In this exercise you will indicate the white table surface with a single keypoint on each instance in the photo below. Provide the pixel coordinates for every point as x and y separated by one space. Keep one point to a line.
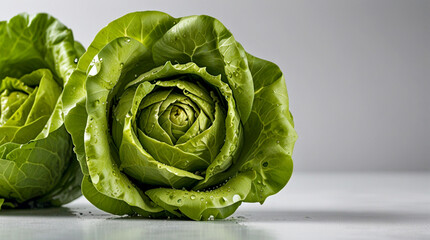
312 206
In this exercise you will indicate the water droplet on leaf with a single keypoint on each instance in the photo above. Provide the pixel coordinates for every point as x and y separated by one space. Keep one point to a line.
236 198
95 179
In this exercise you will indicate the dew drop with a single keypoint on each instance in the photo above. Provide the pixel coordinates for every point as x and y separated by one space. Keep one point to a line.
93 71
265 164
179 200
192 197
75 60
236 198
95 179
232 148
211 218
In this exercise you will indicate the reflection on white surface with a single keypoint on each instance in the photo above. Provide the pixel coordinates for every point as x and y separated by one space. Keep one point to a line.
82 221
313 206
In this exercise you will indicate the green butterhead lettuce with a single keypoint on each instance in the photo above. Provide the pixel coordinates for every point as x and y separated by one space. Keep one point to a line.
37 164
170 117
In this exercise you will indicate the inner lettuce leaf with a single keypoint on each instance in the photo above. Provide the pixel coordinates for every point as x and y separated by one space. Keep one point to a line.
171 117
37 164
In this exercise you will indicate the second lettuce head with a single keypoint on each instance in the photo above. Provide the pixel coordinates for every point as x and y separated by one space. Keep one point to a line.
37 165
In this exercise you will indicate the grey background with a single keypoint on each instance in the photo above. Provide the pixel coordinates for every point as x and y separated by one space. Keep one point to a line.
357 71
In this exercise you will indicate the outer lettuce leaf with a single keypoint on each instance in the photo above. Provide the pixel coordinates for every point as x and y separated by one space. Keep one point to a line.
102 201
219 203
29 43
269 132
37 165
38 170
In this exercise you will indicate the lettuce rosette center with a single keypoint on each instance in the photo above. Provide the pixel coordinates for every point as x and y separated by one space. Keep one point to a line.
26 104
179 120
